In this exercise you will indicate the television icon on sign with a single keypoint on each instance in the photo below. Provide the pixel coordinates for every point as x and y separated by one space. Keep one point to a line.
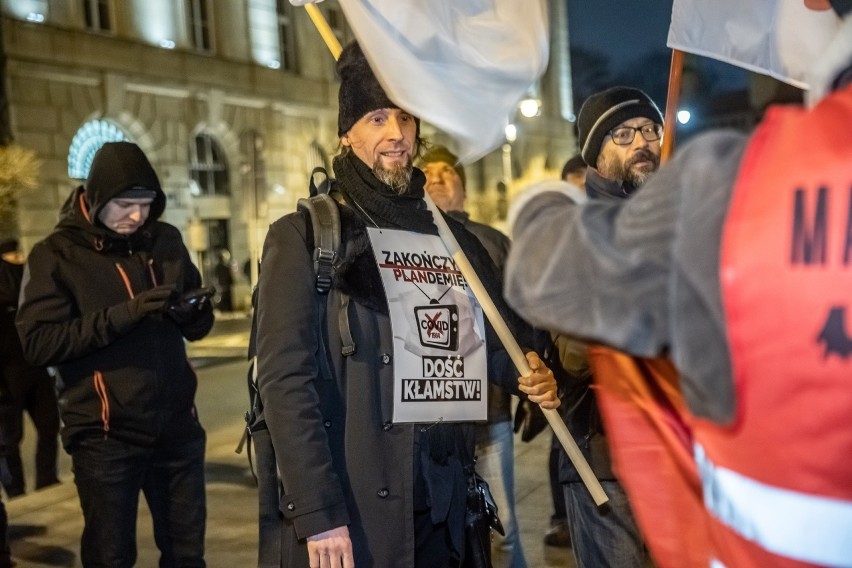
438 326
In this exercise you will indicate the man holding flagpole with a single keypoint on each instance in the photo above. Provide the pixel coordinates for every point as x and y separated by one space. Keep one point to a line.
369 391
733 260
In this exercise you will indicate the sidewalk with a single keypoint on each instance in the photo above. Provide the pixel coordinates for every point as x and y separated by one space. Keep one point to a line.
227 339
45 526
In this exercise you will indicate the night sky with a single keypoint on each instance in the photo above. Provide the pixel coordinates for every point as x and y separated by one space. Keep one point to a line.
623 42
624 30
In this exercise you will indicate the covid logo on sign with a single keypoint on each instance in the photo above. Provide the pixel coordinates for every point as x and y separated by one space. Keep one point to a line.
438 326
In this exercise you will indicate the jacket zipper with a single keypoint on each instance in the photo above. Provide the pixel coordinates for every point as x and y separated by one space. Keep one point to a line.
100 388
125 279
152 273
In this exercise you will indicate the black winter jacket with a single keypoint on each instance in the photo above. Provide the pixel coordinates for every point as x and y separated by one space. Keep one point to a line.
342 459
117 377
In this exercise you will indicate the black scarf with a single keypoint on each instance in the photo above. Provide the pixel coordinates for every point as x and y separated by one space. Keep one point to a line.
378 202
443 445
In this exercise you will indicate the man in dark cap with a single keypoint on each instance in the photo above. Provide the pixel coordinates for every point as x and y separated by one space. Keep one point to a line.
733 262
619 136
574 171
373 474
105 299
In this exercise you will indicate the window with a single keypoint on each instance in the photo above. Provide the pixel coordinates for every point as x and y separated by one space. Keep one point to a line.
198 17
287 36
85 144
97 15
207 167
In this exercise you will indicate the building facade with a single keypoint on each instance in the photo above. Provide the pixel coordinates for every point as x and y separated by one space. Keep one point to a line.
234 102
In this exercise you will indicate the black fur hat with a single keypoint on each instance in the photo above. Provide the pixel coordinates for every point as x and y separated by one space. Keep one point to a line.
360 91
607 109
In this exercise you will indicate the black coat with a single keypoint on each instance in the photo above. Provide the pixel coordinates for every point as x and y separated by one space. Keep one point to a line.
74 315
342 460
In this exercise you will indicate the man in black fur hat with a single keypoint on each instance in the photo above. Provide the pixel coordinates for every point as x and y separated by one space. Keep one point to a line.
363 485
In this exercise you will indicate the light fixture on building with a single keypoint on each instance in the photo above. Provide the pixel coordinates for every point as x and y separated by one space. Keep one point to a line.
279 189
511 132
35 17
530 107
274 64
683 116
167 44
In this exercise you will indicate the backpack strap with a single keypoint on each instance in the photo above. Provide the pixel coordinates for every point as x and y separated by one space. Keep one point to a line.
325 221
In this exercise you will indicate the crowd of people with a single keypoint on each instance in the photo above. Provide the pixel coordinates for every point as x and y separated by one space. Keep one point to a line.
641 296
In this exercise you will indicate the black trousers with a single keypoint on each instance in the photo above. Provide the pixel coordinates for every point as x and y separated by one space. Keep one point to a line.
31 390
110 474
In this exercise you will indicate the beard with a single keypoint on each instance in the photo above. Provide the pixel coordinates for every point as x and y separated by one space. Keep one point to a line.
397 177
612 168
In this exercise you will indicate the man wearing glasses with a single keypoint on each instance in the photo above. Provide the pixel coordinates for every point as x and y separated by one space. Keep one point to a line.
620 130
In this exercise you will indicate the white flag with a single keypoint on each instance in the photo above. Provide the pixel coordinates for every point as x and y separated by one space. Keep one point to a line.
780 38
461 65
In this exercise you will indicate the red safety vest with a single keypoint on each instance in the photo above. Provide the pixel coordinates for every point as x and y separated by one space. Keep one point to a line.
651 447
778 480
774 488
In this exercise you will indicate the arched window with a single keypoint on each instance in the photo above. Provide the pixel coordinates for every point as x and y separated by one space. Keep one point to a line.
85 144
207 167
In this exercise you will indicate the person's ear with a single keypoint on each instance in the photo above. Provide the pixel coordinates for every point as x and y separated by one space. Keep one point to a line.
344 141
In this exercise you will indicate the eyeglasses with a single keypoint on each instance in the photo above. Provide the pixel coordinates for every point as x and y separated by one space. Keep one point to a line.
624 135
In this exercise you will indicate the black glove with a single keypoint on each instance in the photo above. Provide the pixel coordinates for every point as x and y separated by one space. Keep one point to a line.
191 305
149 302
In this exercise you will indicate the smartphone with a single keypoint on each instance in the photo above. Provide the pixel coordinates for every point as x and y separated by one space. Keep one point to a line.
197 296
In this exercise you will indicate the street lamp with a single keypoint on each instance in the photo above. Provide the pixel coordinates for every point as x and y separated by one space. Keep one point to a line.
530 107
511 132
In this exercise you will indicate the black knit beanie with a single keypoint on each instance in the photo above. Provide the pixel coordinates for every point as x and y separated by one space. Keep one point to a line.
443 154
607 109
360 91
574 164
10 245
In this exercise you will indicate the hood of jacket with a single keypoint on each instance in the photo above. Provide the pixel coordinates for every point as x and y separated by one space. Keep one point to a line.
119 167
75 225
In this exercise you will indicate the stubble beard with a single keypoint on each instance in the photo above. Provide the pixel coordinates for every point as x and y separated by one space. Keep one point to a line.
613 169
397 177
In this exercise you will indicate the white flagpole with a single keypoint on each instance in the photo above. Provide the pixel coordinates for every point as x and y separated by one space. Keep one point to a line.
324 30
518 358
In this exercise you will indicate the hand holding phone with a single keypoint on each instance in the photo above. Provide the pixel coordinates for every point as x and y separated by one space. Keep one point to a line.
191 304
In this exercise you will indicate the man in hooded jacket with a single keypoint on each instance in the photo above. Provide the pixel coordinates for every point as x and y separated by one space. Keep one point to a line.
105 300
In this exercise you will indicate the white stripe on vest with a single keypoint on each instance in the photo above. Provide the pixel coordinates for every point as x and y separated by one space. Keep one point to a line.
789 523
